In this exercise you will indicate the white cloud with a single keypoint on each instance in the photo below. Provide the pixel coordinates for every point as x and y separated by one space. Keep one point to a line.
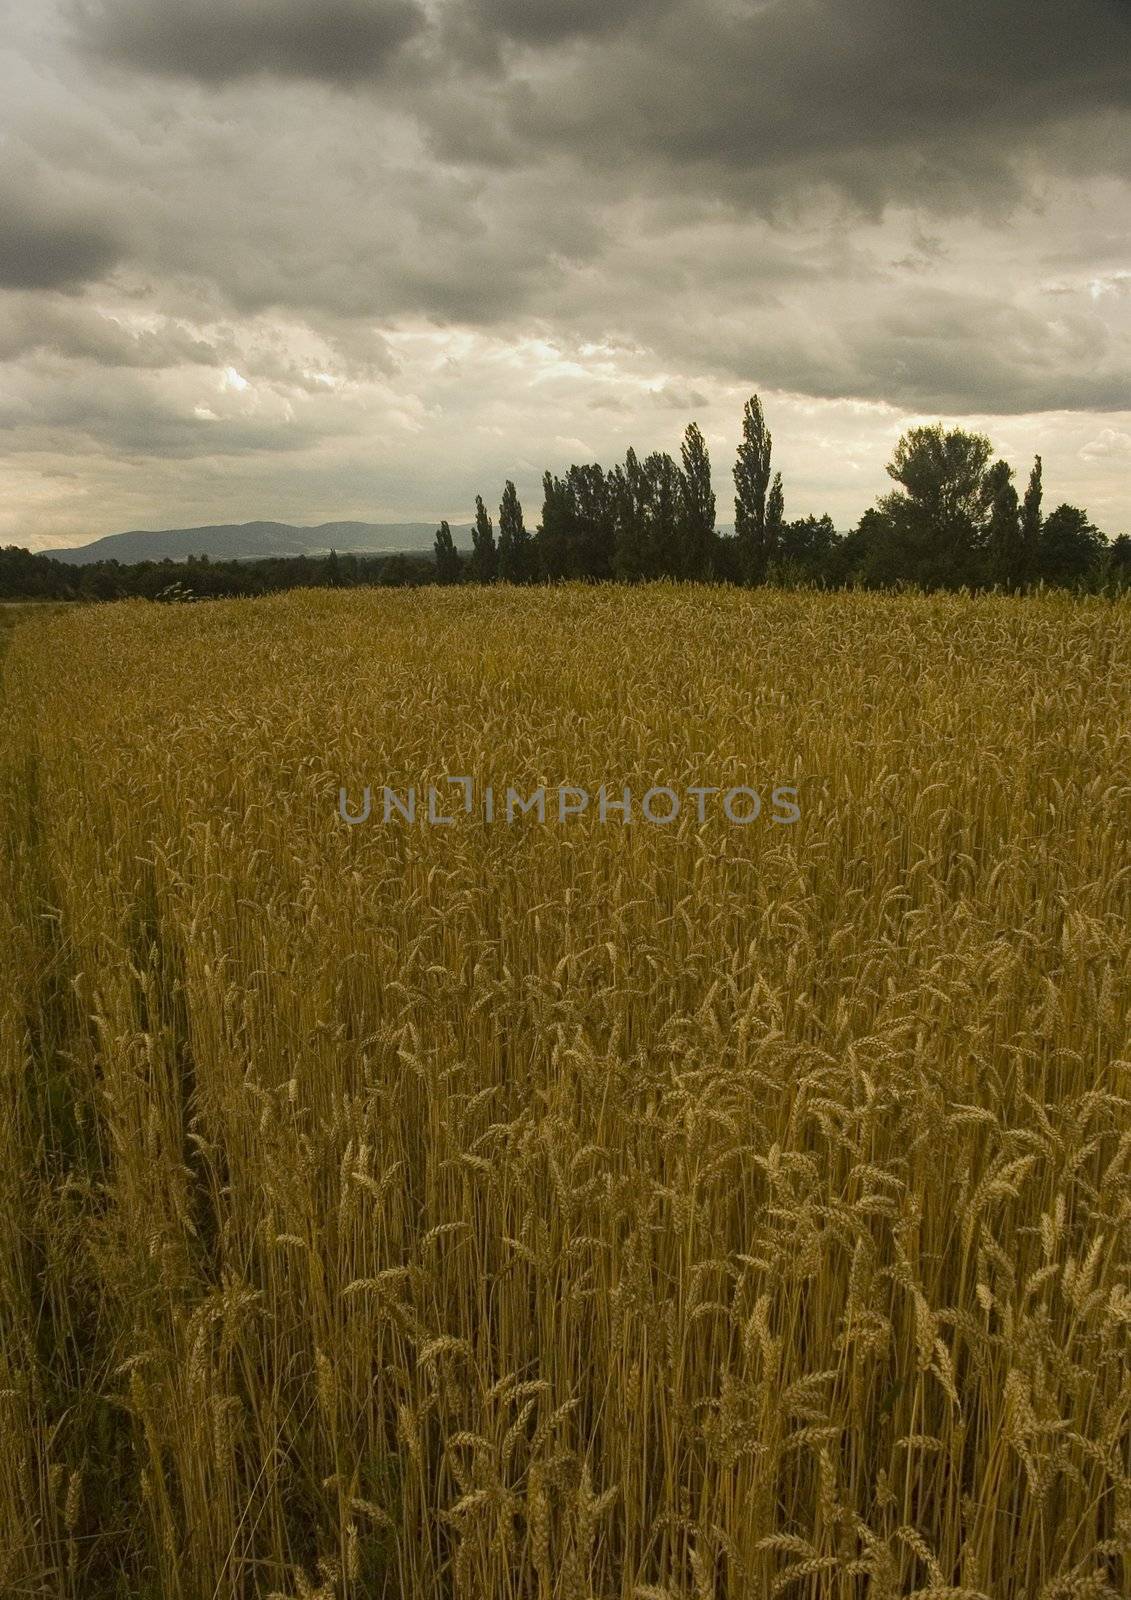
1109 443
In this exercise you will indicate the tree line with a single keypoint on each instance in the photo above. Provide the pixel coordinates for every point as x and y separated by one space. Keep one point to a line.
25 575
956 518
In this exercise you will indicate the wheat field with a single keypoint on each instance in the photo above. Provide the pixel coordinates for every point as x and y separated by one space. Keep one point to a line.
566 1209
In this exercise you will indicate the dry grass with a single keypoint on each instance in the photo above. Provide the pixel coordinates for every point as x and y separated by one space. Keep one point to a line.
567 1210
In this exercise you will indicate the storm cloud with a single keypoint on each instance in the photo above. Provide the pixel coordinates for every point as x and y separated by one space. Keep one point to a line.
543 22
216 41
438 242
45 244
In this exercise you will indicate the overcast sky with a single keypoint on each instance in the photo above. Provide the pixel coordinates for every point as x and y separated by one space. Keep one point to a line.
319 259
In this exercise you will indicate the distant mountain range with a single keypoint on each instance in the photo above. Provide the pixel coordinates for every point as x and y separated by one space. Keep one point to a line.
233 541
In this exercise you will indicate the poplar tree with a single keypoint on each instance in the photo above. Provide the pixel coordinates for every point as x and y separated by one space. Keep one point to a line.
698 506
515 546
775 522
1031 525
484 555
662 479
594 513
1003 535
751 482
556 536
448 563
631 557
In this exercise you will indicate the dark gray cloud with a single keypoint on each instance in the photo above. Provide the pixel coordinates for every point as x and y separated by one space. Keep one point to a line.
947 351
218 41
45 244
759 103
877 99
550 21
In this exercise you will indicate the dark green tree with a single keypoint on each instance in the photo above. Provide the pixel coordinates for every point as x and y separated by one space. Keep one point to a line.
877 552
1031 525
100 582
663 502
945 471
1119 562
396 572
1071 550
516 552
556 536
730 566
448 563
593 509
938 522
647 503
484 563
751 484
807 551
698 509
775 522
630 511
1004 550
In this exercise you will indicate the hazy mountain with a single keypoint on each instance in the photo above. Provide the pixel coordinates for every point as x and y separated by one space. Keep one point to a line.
258 539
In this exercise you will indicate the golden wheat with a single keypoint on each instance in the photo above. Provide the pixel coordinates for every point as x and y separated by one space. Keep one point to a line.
567 1210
